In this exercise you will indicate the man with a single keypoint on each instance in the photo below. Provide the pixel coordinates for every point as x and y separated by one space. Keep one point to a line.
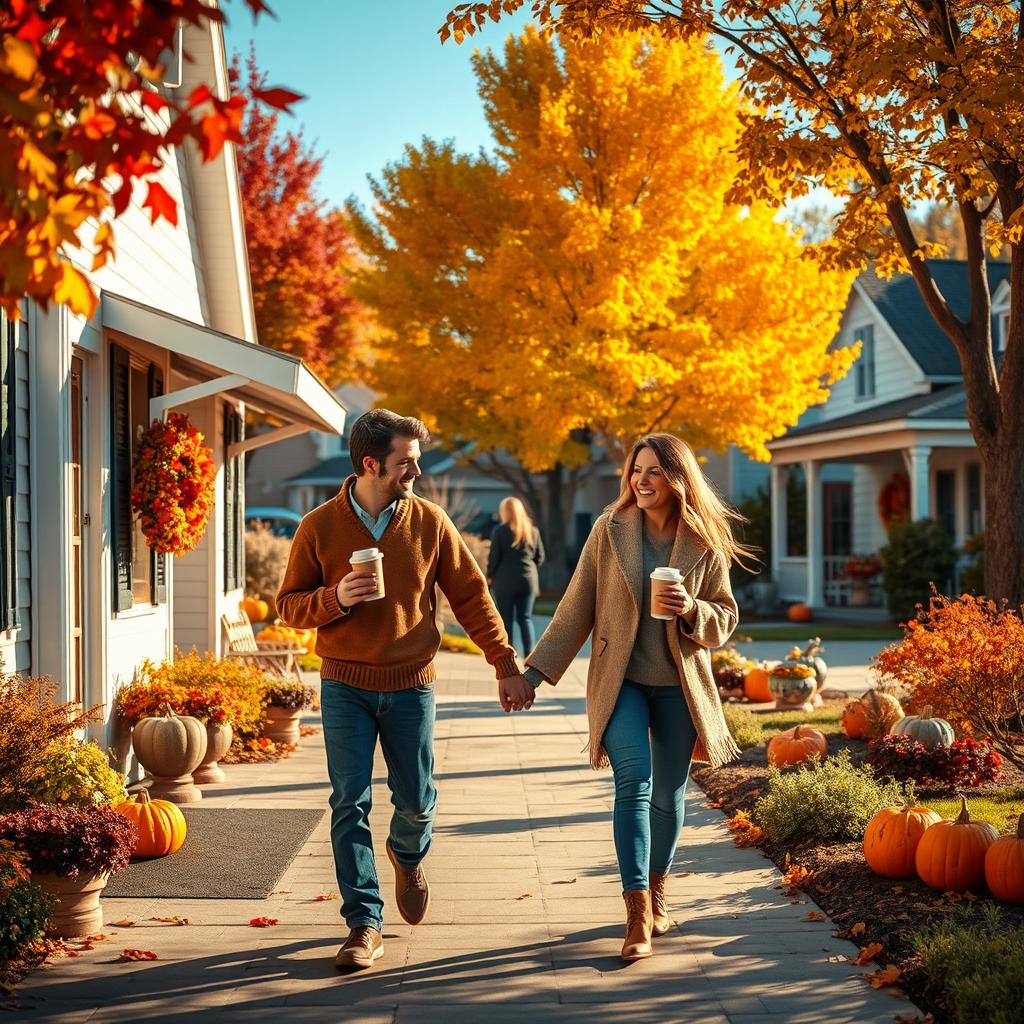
378 660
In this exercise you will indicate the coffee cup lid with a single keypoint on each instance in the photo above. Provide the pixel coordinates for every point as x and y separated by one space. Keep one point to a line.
366 555
666 572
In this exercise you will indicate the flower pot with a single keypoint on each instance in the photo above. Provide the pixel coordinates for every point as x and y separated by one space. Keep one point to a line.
282 724
170 747
793 691
76 909
218 742
860 592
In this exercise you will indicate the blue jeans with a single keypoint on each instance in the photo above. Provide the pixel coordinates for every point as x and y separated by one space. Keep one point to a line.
353 720
517 608
649 739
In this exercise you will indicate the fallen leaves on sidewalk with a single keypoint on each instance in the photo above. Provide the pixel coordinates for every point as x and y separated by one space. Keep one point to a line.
525 896
813 915
868 953
325 896
565 881
744 831
124 923
172 920
308 730
263 922
889 975
138 954
795 879
928 1018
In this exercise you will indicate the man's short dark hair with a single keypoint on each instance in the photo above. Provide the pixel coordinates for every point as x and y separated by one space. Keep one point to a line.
373 433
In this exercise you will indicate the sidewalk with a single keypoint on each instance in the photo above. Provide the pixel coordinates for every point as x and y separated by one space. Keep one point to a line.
526 915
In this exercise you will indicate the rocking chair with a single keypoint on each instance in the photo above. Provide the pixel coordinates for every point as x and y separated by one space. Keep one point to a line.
275 658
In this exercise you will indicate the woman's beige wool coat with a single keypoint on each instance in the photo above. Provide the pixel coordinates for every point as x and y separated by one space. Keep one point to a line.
605 595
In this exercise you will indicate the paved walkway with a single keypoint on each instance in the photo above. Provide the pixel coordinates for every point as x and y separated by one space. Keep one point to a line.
525 919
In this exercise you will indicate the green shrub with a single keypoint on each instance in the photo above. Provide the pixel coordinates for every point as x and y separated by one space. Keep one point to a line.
78 774
830 800
919 553
980 966
24 906
743 726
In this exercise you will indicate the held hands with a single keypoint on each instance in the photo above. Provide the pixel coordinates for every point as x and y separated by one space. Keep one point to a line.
356 587
675 600
515 694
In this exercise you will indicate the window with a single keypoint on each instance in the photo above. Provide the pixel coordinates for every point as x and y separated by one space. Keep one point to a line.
945 500
8 474
975 524
796 512
140 575
865 366
838 532
234 500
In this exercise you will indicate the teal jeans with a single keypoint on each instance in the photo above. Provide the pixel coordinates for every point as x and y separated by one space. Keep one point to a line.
649 739
354 720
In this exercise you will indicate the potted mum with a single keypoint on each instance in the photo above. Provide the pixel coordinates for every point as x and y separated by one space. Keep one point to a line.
862 569
285 704
218 708
71 852
77 773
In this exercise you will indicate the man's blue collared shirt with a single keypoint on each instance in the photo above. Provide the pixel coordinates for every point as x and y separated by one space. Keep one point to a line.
375 526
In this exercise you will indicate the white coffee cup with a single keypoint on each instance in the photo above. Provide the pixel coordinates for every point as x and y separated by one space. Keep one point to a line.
370 560
662 577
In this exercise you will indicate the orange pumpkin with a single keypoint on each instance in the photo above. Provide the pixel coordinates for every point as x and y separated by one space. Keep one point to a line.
871 716
1004 866
892 837
755 686
799 613
795 746
951 854
257 610
159 825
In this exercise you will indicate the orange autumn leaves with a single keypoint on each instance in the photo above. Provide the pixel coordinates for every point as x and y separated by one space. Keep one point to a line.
82 123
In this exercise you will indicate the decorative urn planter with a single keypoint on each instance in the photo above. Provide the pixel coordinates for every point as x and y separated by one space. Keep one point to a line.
76 909
218 742
860 592
793 687
170 747
120 741
282 724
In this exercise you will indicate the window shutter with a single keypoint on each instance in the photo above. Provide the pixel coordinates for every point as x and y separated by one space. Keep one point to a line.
234 546
120 478
159 562
8 475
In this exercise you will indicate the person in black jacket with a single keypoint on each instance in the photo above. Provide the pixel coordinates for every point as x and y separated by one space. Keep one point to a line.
516 553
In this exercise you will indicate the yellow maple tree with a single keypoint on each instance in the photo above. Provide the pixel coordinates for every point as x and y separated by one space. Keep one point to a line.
588 278
887 104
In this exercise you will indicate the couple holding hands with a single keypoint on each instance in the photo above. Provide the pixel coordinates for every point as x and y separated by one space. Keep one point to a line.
651 700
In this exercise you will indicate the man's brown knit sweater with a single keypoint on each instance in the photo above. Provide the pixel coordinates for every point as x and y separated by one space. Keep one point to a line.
388 644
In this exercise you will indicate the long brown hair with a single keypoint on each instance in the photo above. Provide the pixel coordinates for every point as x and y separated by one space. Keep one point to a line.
700 508
519 521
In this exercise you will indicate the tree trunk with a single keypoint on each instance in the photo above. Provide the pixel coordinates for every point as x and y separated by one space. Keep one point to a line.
1004 525
559 505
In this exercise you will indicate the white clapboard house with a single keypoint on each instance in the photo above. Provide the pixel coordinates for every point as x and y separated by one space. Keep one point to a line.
82 598
900 410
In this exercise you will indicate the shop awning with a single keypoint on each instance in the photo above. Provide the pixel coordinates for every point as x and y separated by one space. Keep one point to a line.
272 382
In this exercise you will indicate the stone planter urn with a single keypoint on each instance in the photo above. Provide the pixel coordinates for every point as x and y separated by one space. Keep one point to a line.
793 691
170 747
282 724
860 592
218 742
76 909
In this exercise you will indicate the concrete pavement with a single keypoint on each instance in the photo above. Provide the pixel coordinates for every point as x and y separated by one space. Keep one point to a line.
526 914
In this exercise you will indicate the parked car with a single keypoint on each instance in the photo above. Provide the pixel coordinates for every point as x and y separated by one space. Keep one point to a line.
282 522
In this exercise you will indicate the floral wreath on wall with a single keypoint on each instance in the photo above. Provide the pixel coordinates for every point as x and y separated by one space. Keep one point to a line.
173 485
894 500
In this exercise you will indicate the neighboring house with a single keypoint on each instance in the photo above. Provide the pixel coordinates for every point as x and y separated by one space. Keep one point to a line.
82 598
901 410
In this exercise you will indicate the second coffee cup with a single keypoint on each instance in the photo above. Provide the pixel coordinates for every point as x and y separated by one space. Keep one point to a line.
370 560
662 577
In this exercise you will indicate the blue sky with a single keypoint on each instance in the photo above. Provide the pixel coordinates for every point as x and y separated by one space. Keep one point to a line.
376 77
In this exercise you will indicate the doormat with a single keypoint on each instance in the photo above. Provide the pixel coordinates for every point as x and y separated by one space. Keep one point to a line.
230 853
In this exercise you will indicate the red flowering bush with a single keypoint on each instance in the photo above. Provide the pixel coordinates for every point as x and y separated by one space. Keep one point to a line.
173 485
70 840
967 762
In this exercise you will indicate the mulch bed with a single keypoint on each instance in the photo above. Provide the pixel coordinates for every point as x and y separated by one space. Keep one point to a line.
845 887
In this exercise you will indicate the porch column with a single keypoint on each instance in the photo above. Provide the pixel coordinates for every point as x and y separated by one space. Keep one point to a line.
778 497
920 456
815 546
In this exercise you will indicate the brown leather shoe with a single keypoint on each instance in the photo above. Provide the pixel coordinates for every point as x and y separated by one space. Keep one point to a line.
639 921
363 946
659 908
412 894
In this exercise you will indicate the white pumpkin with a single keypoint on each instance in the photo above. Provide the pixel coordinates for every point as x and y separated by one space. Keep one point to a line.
932 733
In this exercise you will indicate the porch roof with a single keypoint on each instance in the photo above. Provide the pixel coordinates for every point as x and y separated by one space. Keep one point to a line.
269 381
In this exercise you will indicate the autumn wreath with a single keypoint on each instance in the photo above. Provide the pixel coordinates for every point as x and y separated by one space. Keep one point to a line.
173 487
894 500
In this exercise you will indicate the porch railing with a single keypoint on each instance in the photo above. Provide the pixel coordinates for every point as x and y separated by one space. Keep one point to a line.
842 591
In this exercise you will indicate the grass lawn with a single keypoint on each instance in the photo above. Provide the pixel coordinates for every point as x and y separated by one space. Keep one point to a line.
799 633
1001 808
826 718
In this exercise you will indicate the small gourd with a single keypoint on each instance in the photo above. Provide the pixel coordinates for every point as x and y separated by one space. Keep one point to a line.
931 732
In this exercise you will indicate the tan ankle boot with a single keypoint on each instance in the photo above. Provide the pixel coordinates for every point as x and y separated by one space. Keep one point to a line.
662 922
639 921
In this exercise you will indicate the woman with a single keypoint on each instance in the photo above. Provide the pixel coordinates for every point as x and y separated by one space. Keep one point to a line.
651 698
516 555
